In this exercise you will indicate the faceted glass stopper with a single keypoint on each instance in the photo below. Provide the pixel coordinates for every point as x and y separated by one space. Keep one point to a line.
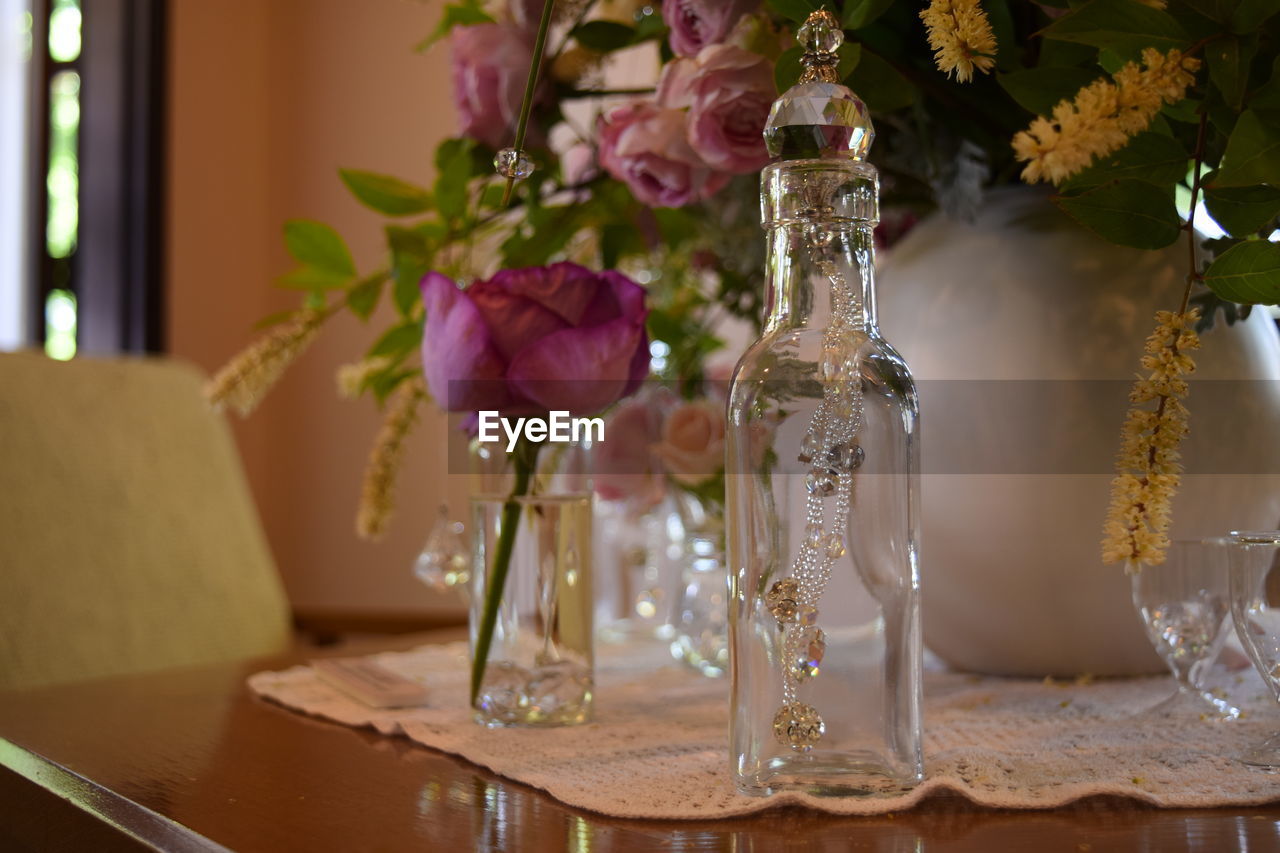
815 119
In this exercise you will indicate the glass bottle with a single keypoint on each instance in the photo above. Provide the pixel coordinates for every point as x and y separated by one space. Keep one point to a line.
823 475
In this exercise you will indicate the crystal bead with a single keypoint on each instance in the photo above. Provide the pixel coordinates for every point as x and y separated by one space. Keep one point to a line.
443 562
813 646
821 481
809 448
833 545
813 535
785 610
798 726
513 163
808 615
837 363
781 600
846 457
820 34
819 119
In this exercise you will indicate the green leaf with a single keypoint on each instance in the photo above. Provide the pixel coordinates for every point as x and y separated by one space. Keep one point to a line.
1150 157
1216 10
1229 61
859 13
316 244
1242 211
454 170
1252 155
604 36
1250 14
385 194
795 10
786 71
1267 96
1248 273
363 296
464 13
879 84
307 277
1125 26
1039 90
398 340
1130 213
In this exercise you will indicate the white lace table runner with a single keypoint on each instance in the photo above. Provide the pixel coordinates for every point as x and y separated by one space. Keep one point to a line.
658 745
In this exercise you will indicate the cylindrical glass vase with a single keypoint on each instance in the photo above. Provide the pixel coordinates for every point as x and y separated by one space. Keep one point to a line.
540 668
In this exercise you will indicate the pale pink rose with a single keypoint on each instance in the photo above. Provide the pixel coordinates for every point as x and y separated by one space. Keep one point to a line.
729 92
578 164
624 466
490 67
692 446
697 23
647 148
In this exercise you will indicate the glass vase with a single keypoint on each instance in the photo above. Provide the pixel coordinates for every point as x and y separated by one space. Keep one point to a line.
540 662
702 612
823 508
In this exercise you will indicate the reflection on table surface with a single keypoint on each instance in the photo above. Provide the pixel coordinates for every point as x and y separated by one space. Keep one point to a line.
195 747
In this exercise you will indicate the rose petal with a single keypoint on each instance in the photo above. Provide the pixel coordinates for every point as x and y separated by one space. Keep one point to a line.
578 370
566 289
464 371
513 320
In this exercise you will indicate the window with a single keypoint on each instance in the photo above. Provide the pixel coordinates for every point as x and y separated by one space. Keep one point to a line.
95 137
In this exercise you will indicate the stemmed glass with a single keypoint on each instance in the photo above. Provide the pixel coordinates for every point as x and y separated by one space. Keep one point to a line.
1184 604
1255 609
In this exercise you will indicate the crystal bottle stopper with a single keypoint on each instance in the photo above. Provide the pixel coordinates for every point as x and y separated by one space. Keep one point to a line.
819 117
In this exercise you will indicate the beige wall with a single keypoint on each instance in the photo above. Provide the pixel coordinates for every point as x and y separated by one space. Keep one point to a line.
268 99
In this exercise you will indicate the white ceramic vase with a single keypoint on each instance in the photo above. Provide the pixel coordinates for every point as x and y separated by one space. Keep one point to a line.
1017 467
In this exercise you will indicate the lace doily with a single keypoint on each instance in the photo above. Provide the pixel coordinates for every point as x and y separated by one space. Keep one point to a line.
658 745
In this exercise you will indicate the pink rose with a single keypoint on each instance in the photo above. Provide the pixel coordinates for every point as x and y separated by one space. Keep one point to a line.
490 67
692 446
729 92
534 340
697 23
647 148
624 466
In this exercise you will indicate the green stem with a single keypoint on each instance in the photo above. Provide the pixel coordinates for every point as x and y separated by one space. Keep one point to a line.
525 459
530 86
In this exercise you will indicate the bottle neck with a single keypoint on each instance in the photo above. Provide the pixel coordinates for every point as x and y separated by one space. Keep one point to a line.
819 215
819 275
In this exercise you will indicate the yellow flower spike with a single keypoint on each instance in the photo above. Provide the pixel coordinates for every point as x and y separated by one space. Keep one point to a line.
960 36
377 499
1102 116
1148 470
247 378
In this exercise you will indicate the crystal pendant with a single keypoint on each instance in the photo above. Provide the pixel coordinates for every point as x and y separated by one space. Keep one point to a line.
813 645
798 726
443 563
821 482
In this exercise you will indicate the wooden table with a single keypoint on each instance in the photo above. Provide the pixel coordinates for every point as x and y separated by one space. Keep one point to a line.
189 760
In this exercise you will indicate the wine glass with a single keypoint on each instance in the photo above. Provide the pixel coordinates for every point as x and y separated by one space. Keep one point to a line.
1184 604
1255 609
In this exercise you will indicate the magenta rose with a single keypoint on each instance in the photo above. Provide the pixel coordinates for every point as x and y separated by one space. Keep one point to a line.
534 340
697 23
647 147
729 92
490 66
